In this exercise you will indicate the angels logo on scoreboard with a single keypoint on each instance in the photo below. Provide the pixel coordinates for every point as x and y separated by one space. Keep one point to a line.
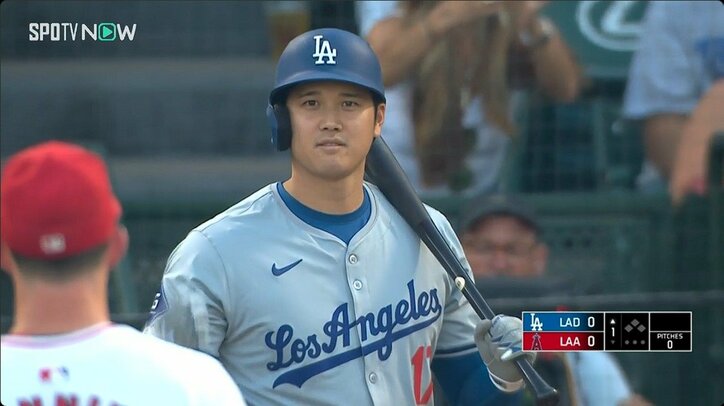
536 343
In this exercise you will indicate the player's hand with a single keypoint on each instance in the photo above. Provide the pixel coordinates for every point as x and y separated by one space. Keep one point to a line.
500 343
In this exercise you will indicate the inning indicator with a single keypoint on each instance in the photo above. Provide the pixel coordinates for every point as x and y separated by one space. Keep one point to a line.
598 331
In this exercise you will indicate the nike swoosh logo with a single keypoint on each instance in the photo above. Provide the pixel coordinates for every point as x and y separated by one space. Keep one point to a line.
279 271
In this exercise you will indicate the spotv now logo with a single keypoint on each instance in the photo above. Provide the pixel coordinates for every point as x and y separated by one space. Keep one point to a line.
80 32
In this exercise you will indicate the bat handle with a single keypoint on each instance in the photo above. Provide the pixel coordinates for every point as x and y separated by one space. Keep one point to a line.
383 169
545 394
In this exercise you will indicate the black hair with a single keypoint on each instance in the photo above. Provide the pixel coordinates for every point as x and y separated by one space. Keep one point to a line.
64 268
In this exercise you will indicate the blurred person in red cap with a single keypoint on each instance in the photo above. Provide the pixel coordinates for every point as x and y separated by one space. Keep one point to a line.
60 237
502 240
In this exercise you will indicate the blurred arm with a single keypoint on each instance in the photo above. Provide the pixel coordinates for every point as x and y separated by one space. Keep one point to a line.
556 71
662 88
400 46
662 133
690 160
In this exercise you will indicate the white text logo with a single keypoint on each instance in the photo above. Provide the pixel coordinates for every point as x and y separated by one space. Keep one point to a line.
323 49
80 32
535 324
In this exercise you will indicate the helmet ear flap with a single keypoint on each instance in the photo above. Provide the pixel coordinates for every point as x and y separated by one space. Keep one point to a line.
281 126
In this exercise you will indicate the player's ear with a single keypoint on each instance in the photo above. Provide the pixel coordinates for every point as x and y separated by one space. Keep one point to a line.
379 119
7 262
540 258
118 246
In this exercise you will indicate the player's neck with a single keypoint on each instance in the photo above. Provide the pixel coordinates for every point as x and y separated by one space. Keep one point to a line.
327 196
43 308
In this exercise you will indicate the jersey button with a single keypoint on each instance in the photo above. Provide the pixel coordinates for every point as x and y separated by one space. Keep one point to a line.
373 377
357 284
353 259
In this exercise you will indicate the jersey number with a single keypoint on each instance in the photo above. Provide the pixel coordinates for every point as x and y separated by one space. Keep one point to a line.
418 361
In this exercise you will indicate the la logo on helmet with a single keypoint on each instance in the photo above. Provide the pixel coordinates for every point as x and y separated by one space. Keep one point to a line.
322 49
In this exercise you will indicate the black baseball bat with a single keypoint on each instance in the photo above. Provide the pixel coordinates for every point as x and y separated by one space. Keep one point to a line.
383 170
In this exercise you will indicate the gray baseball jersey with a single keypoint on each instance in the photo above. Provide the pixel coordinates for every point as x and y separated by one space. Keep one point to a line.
299 317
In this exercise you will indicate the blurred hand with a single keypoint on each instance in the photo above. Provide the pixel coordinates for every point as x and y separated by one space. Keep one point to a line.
523 13
449 14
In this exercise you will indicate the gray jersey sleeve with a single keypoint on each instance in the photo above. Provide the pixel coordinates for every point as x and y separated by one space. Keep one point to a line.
459 320
190 306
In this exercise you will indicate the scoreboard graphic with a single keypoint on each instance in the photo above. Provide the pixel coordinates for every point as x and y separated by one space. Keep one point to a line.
548 331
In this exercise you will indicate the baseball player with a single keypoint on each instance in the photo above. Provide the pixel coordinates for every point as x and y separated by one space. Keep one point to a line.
314 290
60 238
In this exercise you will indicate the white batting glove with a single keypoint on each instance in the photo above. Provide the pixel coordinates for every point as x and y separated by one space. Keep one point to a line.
500 343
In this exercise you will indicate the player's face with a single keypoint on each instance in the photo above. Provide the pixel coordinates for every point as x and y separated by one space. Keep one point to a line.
333 125
503 246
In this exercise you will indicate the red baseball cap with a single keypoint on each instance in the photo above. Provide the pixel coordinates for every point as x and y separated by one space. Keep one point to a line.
56 201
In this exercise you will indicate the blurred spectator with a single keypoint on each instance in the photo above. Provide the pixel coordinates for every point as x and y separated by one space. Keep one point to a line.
679 58
449 68
501 238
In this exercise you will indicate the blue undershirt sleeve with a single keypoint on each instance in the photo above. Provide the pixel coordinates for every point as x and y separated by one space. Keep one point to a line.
464 380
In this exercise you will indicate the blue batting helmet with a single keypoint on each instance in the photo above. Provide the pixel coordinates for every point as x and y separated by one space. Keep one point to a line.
322 54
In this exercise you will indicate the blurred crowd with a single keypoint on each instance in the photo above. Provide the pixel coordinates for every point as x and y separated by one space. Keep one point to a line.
451 68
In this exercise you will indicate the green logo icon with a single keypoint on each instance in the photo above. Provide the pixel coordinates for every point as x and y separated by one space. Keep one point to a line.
106 32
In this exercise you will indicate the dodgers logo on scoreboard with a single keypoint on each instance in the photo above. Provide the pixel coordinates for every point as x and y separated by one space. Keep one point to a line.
535 323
